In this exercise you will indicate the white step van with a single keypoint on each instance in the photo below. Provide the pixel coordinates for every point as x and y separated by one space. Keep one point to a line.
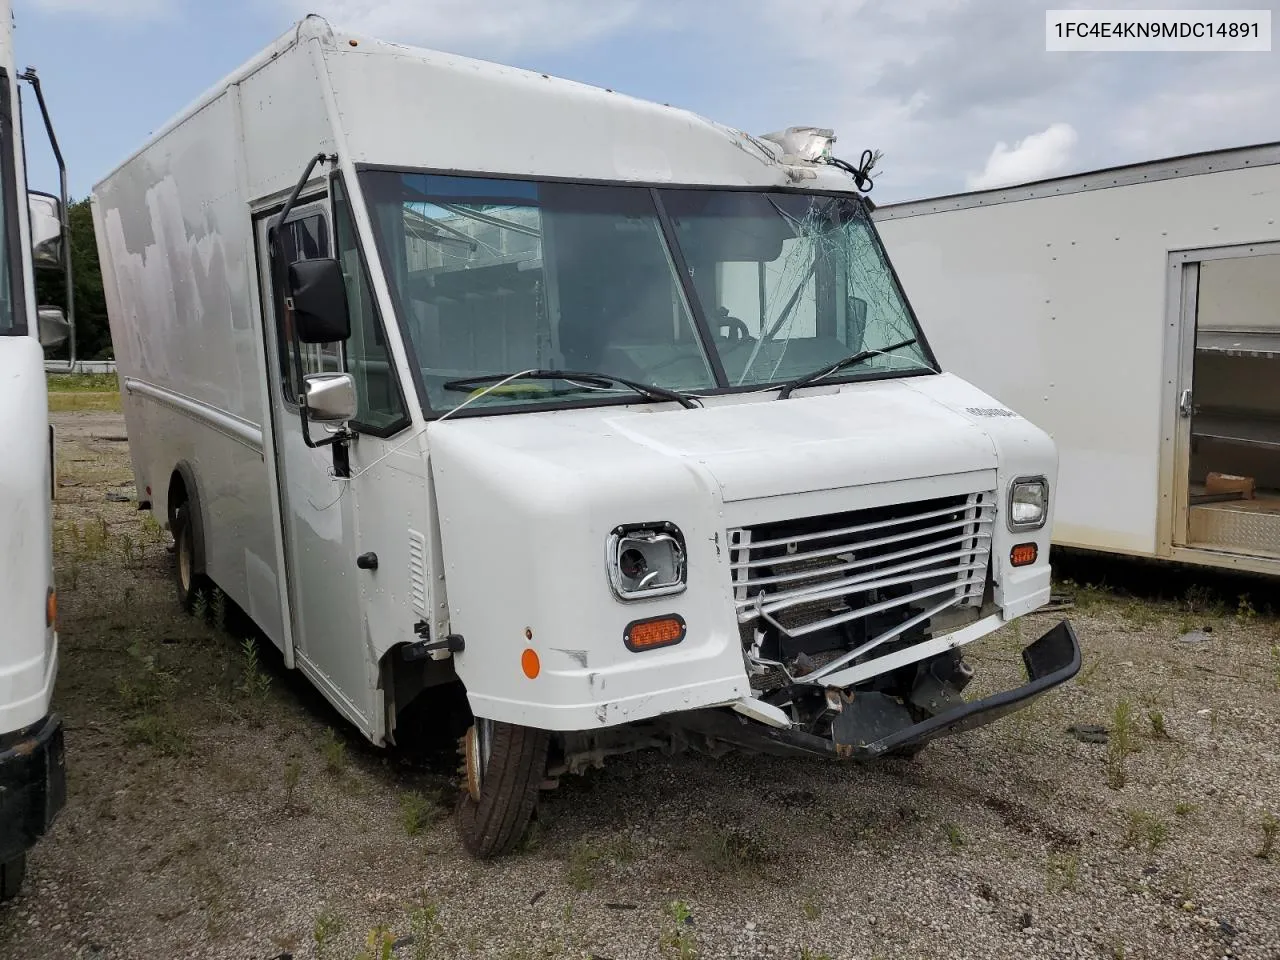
459 377
32 234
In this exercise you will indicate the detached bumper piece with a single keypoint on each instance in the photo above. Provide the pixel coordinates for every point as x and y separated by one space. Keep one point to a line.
33 785
871 725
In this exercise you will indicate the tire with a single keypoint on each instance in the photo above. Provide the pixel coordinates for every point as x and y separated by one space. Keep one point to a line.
189 583
505 767
11 874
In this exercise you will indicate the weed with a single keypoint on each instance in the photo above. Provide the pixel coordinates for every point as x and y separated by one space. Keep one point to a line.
218 609
254 683
1202 599
1140 613
954 836
1063 870
807 954
679 941
585 857
292 774
379 945
1086 676
200 606
1145 829
1158 729
1120 744
418 811
327 926
335 753
1244 609
160 732
1275 662
426 928
1270 830
731 850
811 908
1214 726
1184 808
129 550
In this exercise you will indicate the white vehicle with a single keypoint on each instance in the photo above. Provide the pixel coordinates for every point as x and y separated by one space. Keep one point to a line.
457 377
32 774
1136 314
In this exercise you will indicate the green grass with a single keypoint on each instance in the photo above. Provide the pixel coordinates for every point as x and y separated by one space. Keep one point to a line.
82 382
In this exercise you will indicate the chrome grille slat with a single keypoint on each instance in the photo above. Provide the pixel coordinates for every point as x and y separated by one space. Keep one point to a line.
933 553
835 569
860 528
872 580
846 547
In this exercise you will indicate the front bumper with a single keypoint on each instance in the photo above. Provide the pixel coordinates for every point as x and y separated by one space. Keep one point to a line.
871 725
33 785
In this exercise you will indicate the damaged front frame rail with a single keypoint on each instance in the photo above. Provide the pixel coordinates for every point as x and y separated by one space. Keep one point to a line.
871 725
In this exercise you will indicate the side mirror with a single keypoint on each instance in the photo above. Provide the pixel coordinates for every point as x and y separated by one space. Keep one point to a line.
318 295
331 397
53 326
45 213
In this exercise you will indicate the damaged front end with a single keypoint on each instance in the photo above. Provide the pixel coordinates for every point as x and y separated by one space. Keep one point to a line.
852 627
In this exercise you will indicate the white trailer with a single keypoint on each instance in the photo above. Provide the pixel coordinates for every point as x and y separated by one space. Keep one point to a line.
32 775
1134 314
457 377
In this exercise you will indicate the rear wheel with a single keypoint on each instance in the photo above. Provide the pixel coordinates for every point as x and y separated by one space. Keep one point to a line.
505 765
11 874
190 584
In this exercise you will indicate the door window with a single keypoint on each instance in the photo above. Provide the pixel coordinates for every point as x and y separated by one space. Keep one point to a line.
380 406
305 237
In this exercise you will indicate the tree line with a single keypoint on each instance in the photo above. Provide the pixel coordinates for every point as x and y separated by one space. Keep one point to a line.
93 336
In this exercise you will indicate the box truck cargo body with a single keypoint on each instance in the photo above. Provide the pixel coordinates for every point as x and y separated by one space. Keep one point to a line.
457 377
1134 314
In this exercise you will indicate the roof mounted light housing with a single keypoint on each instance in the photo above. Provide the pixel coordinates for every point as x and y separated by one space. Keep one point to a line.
809 144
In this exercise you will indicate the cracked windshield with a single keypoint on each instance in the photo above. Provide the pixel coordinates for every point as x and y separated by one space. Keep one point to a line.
494 277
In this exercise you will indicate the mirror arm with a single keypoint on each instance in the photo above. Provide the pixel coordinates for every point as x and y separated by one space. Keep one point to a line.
32 78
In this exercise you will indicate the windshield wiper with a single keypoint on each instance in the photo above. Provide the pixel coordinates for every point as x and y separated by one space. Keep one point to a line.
853 359
600 381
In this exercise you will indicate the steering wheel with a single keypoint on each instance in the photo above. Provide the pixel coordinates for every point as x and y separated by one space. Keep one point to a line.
738 331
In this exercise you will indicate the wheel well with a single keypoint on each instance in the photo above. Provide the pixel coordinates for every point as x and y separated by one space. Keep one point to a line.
177 494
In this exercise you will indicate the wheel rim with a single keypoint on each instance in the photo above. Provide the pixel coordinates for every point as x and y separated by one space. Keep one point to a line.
184 561
477 747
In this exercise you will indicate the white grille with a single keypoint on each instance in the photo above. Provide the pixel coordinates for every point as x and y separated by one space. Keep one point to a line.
418 572
814 573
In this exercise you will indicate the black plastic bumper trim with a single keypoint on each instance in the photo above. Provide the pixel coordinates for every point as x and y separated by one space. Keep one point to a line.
33 786
1050 661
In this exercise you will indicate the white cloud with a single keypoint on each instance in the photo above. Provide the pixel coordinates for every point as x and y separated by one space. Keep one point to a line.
490 27
113 9
1032 158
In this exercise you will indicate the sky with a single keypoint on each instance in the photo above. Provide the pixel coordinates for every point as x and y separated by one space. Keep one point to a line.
958 94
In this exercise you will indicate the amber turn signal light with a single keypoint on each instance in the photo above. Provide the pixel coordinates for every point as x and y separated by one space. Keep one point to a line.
1023 554
51 608
654 632
530 663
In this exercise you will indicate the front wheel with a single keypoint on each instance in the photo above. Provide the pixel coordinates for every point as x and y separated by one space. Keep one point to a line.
505 765
11 874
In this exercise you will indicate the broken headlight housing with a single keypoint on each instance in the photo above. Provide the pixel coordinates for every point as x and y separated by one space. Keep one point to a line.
646 560
1028 503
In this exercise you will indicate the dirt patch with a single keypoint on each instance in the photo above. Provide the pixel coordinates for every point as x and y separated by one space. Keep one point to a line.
219 808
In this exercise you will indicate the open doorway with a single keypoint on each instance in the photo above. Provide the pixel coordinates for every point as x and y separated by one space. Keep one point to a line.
1232 403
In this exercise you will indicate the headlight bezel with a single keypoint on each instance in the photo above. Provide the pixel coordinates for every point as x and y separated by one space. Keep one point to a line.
654 536
1030 480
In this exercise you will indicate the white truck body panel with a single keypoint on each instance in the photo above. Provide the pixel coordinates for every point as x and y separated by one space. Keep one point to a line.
493 527
1062 300
28 646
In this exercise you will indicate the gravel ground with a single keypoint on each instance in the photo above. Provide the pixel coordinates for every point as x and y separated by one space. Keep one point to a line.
219 808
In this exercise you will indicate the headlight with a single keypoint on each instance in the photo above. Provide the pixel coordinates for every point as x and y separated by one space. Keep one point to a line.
1028 503
646 560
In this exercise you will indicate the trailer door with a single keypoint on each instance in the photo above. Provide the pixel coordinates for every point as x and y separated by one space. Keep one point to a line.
319 522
